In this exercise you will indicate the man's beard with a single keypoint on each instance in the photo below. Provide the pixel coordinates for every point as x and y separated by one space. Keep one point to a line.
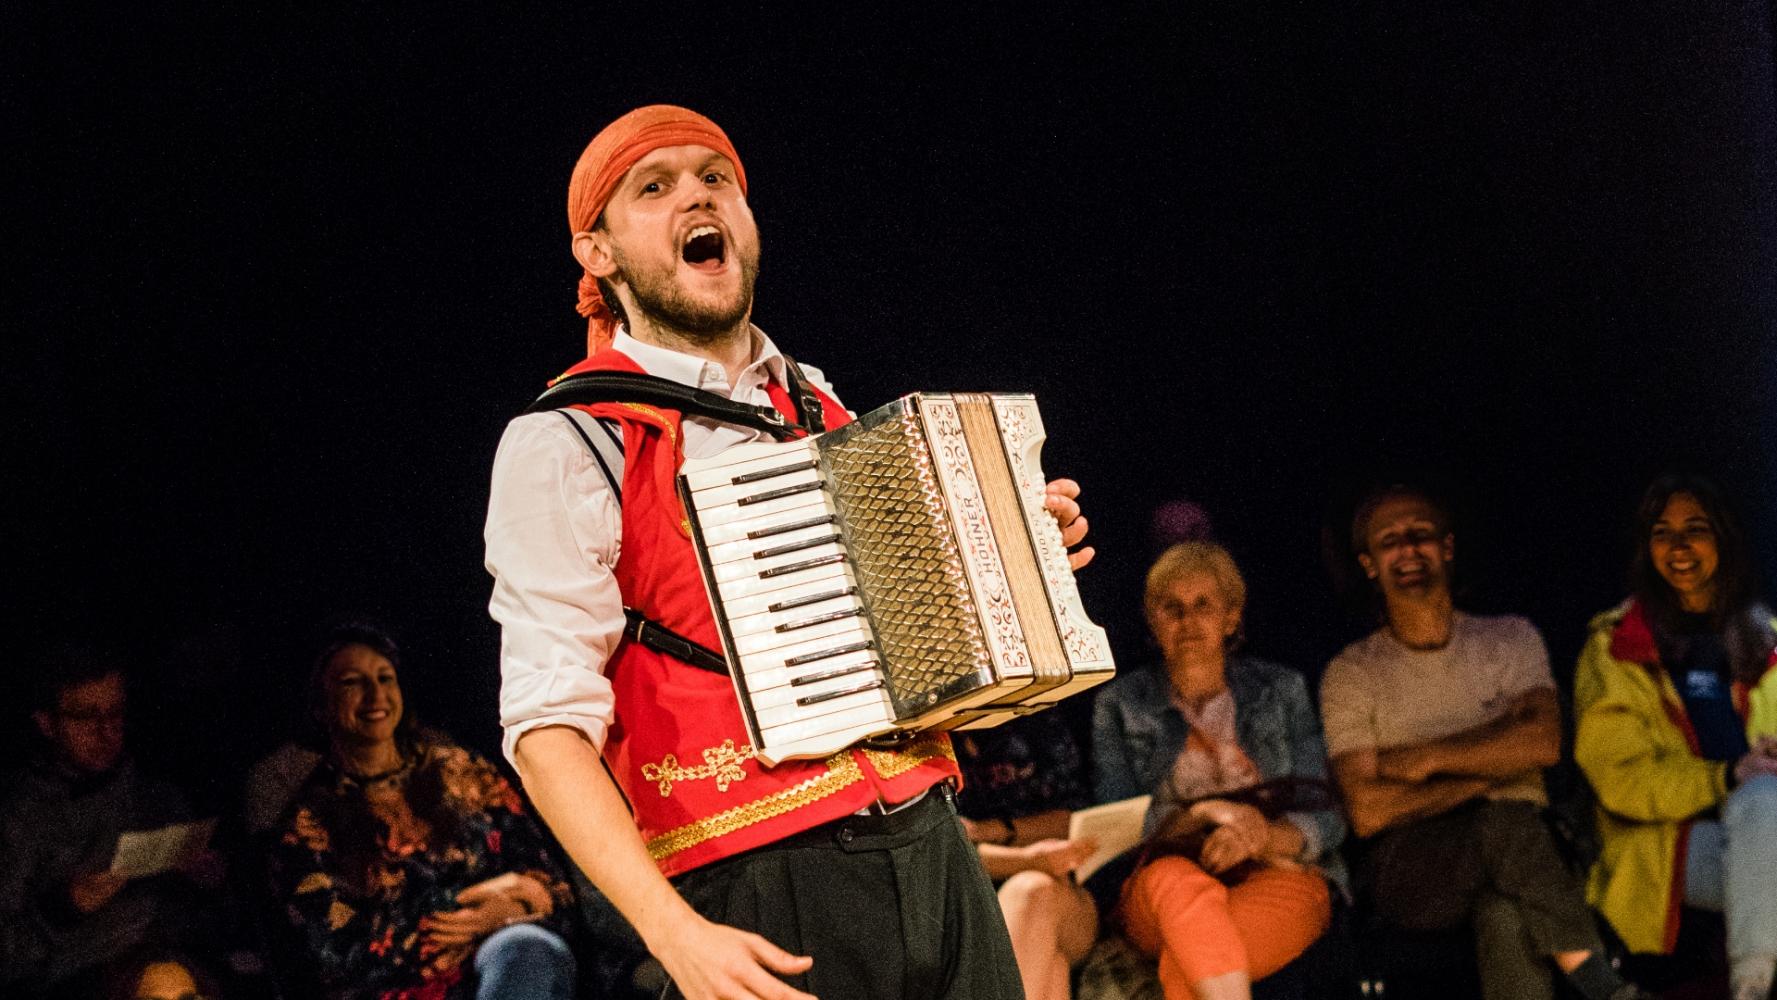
663 303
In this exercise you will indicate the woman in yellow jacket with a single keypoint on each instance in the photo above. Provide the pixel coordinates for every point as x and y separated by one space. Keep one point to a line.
1676 695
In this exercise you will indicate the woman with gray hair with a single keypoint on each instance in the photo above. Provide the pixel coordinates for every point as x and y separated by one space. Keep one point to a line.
1229 892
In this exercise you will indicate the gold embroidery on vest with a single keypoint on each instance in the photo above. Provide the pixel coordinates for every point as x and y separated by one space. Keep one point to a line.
894 763
665 424
842 772
722 763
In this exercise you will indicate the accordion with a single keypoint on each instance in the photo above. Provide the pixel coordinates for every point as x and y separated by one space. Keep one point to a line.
895 575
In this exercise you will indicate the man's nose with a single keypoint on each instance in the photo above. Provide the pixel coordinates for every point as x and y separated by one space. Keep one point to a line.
694 193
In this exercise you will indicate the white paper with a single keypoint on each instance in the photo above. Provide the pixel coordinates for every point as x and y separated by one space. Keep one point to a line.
1115 826
141 853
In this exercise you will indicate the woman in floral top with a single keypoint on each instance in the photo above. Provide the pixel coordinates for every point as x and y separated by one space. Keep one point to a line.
406 866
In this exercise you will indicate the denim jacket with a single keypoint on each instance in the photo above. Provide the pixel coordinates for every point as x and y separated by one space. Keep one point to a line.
1137 733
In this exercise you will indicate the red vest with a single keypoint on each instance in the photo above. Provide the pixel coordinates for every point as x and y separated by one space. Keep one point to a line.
678 746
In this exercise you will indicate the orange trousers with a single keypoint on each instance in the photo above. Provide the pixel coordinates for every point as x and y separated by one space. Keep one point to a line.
1200 928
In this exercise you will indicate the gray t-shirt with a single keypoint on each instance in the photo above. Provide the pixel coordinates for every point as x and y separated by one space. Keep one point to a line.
1379 694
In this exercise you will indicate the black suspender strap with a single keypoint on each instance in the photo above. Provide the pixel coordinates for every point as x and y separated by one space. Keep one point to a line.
605 447
661 639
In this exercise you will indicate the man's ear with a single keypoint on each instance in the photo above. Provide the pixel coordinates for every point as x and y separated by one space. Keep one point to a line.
42 719
1369 565
593 251
1449 548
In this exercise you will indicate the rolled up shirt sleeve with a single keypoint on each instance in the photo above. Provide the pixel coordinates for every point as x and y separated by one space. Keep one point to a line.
552 534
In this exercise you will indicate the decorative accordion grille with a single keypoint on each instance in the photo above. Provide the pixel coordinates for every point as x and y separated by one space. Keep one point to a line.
907 566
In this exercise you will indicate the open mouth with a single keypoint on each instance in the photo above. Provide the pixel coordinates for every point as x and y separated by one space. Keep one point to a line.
704 248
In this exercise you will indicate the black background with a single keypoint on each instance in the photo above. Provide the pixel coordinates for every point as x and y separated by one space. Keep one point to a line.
278 280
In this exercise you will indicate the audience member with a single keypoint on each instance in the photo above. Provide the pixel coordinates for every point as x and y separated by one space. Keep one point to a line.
1439 725
1677 703
163 975
1192 732
272 783
63 914
408 866
1021 783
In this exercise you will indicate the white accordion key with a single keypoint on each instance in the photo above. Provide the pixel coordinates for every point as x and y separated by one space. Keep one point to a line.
716 533
799 533
793 614
748 460
750 596
773 683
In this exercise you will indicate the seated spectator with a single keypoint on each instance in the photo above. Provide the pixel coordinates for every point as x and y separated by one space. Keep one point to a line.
1439 725
1192 732
1021 783
163 975
1676 697
407 866
272 783
63 914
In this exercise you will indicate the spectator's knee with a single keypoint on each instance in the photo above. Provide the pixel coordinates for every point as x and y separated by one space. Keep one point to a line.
524 945
1029 892
1754 805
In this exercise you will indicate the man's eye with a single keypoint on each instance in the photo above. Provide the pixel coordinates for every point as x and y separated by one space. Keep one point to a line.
652 187
712 178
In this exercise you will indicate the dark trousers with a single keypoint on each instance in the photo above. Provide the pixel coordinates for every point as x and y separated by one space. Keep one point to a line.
894 907
1493 865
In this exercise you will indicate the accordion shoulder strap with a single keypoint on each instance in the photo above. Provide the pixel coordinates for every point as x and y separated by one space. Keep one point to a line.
632 387
808 402
661 639
606 446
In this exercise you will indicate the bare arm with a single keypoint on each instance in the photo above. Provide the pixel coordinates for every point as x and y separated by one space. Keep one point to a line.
1376 803
1048 825
1003 860
1527 737
575 795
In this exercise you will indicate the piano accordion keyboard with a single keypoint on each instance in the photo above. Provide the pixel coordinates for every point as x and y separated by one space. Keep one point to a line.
794 618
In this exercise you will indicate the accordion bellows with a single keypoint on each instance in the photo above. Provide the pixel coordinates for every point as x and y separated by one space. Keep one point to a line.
896 575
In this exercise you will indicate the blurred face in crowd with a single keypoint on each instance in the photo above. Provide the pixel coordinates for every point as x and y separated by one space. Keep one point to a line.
677 231
1192 618
1407 549
86 725
166 981
363 696
1683 548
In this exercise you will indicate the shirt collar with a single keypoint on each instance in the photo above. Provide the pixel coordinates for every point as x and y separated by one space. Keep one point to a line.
699 373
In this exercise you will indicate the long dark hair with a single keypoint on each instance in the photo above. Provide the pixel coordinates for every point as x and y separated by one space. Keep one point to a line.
1735 612
337 798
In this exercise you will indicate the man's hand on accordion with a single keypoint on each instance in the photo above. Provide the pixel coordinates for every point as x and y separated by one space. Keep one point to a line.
1061 499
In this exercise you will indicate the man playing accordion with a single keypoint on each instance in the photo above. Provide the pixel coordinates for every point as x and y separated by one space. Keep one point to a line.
847 876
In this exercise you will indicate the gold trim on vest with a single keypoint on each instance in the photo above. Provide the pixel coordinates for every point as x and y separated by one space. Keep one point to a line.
842 772
722 763
894 763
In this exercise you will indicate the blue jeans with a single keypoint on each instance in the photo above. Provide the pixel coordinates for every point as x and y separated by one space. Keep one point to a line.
1731 867
524 962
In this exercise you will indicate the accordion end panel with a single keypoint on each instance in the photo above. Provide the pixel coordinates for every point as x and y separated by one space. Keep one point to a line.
1087 648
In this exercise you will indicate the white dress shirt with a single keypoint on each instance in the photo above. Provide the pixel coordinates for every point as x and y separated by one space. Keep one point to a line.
553 536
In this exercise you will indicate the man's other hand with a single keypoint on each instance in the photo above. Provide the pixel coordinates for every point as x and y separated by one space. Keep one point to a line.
1061 498
711 961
